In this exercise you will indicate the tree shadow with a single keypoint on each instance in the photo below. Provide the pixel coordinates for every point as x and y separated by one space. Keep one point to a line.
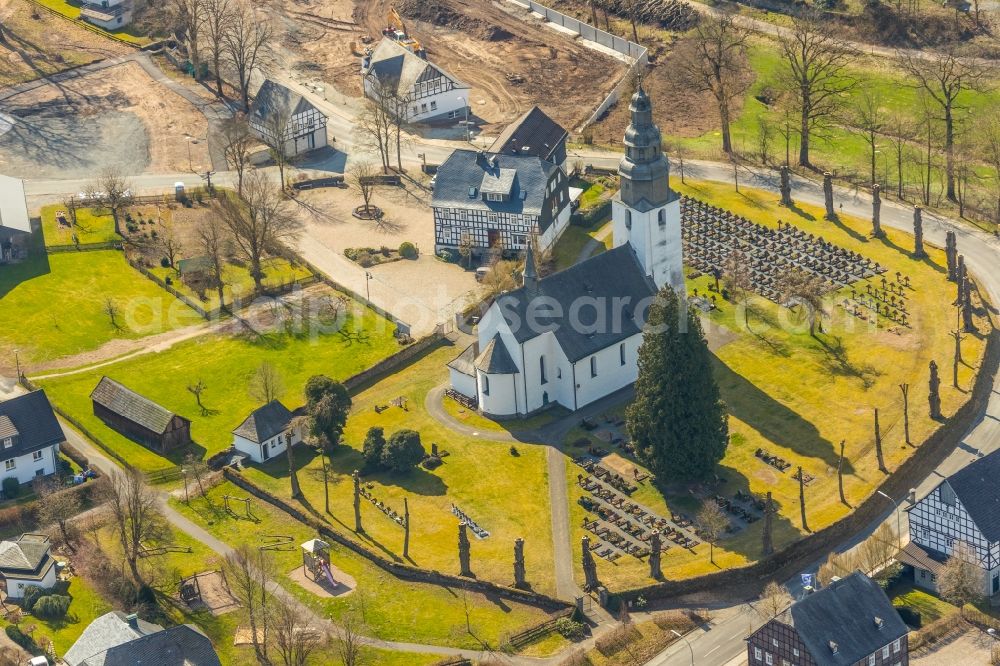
794 208
858 236
345 459
836 362
36 265
773 420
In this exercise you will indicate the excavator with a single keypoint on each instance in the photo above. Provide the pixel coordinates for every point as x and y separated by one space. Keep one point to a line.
396 30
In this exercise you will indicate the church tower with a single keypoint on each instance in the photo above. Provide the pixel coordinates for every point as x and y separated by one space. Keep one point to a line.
646 213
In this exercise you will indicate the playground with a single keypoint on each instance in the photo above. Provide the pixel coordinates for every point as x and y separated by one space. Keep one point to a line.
318 575
208 590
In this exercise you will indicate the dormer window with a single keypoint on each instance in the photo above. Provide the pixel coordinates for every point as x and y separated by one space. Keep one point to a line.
472 192
8 442
494 197
879 623
833 648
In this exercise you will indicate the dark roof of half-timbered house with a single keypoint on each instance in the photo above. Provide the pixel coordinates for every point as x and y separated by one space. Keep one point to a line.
976 486
395 65
534 133
29 422
275 98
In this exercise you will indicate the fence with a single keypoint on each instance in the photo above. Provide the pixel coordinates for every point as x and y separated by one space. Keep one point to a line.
84 247
538 632
636 52
84 24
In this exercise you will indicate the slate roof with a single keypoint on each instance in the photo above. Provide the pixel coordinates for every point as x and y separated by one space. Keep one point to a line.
265 422
844 613
495 359
13 206
392 63
534 133
111 640
922 558
31 416
466 361
273 97
466 169
132 406
26 553
976 487
613 281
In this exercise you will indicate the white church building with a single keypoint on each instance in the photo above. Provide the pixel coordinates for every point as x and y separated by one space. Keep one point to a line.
573 337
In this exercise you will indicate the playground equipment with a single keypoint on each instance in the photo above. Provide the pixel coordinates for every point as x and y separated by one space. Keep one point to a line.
316 561
248 514
281 542
208 589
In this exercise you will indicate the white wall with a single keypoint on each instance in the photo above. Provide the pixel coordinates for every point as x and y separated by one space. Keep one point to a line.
26 468
558 373
300 144
502 397
556 229
611 374
463 383
17 586
657 246
276 446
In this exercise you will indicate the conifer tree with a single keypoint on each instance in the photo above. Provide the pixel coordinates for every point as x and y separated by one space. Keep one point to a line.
677 422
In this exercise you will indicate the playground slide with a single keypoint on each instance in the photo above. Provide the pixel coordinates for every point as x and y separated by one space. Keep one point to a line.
329 576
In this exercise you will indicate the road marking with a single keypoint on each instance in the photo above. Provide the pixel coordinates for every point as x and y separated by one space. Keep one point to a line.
712 650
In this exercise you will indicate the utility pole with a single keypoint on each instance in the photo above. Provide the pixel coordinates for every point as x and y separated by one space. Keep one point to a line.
207 176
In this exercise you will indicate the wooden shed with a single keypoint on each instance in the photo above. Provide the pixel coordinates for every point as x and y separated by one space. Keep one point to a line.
139 418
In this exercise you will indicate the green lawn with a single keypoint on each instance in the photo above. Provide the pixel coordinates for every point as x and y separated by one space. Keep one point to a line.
86 605
59 305
90 227
506 494
393 609
225 364
930 607
238 282
798 396
72 11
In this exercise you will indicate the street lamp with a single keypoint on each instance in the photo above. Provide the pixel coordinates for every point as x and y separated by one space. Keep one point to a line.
686 641
368 295
899 532
468 132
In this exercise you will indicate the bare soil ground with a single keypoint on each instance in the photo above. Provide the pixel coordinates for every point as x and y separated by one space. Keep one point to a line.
40 44
478 41
116 116
969 649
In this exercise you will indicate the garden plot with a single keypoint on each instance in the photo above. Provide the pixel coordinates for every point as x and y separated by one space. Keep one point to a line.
118 116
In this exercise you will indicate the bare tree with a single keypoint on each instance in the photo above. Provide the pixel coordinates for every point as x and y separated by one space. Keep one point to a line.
190 14
738 280
348 639
216 23
197 389
111 309
945 76
868 118
276 130
72 204
899 131
815 74
114 190
56 507
927 137
714 61
266 383
362 176
960 580
988 132
248 571
244 40
292 637
137 518
772 601
197 468
212 240
170 244
237 142
712 523
374 126
258 222
806 290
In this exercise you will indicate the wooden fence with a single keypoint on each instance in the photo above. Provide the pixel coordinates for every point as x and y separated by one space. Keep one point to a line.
88 26
84 247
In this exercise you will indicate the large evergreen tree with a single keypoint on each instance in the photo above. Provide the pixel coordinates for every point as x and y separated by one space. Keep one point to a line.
678 423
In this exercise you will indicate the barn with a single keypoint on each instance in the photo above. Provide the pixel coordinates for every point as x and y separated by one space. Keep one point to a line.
139 418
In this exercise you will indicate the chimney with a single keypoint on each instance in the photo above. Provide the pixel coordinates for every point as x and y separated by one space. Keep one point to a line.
833 647
879 623
133 620
911 497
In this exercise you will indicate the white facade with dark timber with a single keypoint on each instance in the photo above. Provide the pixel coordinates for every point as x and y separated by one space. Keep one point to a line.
964 508
417 90
284 120
573 337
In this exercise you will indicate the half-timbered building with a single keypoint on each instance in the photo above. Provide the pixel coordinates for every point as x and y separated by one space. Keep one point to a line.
285 120
964 508
418 90
501 201
848 623
536 134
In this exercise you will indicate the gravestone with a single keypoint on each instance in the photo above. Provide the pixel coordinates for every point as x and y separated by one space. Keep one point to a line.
519 580
918 233
786 187
934 395
464 550
589 566
828 195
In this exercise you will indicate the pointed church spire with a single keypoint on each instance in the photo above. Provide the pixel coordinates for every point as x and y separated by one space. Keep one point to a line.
529 278
644 170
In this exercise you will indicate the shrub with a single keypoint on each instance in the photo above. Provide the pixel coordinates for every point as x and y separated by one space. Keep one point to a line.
403 451
373 446
164 262
11 487
51 607
451 256
365 259
408 250
909 615
15 634
675 620
617 639
31 595
570 629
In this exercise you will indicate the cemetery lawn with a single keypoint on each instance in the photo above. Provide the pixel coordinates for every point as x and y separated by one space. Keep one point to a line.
797 396
58 305
474 419
238 282
225 364
505 494
91 227
393 609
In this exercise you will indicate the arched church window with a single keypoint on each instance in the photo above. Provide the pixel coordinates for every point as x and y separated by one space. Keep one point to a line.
661 217
541 369
628 219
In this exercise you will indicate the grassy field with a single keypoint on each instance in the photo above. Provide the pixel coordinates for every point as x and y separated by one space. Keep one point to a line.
929 606
58 303
225 364
797 396
506 494
90 227
72 11
85 606
238 282
393 609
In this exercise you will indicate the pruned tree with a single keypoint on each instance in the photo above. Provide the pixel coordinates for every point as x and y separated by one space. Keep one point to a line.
374 126
72 204
772 601
212 240
266 383
946 78
292 637
137 519
712 524
216 24
800 288
258 222
868 118
55 507
114 190
362 176
815 73
236 143
170 244
249 571
190 15
244 40
277 127
899 131
348 640
960 580
713 60
988 134
111 310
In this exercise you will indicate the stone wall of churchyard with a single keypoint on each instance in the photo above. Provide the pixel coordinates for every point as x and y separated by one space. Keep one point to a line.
744 582
403 571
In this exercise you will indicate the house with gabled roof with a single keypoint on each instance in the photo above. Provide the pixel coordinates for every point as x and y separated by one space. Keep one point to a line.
266 432
281 117
850 622
117 639
139 418
413 87
25 562
30 436
535 134
963 508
